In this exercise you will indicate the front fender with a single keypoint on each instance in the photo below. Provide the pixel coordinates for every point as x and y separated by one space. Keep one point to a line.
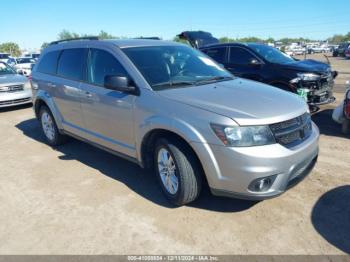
175 125
43 96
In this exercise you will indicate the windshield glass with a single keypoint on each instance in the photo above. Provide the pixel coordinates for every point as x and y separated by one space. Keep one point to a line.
271 54
175 66
5 69
25 60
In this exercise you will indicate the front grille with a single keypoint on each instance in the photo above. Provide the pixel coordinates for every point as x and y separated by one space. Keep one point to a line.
292 132
14 102
12 88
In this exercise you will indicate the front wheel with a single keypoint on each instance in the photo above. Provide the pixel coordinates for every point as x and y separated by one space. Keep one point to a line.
178 171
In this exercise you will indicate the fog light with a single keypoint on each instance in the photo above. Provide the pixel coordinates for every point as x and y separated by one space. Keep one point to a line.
262 184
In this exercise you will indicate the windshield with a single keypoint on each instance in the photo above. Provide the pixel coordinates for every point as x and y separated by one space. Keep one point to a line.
25 60
166 67
5 69
271 54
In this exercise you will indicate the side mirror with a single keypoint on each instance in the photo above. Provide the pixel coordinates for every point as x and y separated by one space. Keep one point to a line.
19 71
120 83
255 62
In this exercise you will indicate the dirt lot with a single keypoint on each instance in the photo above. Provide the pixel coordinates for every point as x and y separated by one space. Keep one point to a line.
80 200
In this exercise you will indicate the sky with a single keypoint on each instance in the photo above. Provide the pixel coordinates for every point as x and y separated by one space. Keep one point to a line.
30 23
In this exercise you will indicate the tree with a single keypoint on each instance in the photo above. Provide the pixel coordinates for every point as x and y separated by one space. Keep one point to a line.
11 48
44 45
179 40
105 35
65 34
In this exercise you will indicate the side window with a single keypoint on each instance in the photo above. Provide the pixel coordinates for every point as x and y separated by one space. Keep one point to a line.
72 63
240 56
48 63
218 54
102 64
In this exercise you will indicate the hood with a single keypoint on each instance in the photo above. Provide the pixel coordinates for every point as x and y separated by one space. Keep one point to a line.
12 79
198 39
246 102
308 65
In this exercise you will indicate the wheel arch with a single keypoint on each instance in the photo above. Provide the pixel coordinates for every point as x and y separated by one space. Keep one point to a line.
45 100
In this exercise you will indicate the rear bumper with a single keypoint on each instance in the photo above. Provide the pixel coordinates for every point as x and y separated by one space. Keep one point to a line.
8 99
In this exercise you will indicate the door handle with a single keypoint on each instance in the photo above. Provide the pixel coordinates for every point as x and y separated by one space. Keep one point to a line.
51 85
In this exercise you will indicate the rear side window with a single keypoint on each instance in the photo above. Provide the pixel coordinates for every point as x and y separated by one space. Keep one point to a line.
72 63
102 64
240 56
48 63
218 54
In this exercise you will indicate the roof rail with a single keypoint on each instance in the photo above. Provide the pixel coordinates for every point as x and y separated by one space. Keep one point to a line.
149 38
73 39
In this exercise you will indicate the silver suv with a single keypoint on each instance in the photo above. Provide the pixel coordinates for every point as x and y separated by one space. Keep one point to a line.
169 107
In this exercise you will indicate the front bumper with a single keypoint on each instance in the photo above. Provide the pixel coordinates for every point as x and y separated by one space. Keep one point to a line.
230 170
8 99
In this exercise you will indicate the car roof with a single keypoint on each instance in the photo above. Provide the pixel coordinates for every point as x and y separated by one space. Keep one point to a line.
121 43
232 44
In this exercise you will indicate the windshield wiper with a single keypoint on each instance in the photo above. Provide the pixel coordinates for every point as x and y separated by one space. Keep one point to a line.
214 79
175 83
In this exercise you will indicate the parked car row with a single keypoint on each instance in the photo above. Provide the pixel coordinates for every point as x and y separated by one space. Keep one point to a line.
194 116
23 65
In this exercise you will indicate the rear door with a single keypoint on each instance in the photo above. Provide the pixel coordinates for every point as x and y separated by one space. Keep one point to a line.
107 114
219 54
71 72
241 63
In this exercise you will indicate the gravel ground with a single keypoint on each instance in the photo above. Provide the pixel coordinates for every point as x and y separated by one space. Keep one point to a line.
77 199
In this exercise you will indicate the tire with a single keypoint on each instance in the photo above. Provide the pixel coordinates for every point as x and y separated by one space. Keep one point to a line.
345 128
49 127
187 171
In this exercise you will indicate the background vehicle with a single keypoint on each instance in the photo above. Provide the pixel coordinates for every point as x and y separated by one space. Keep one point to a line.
14 88
167 106
341 114
4 57
340 51
24 64
311 79
347 53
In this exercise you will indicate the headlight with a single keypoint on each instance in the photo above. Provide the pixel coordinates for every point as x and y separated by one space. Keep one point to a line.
308 76
244 136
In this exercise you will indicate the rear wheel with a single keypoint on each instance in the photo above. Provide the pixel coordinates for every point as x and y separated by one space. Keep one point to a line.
346 127
178 171
49 127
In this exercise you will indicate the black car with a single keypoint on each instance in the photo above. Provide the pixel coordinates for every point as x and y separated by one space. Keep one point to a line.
309 78
341 50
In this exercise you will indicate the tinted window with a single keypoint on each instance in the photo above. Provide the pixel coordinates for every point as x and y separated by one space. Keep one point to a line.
102 64
240 56
218 54
271 54
173 66
71 63
48 63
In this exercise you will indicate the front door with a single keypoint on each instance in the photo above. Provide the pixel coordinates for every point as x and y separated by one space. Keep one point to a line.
107 114
243 63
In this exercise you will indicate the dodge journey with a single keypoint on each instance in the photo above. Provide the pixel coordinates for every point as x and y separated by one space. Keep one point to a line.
171 108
